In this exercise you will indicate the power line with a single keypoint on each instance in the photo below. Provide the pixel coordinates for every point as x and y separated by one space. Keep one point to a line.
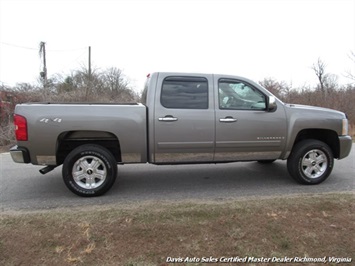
48 50
66 50
18 46
75 60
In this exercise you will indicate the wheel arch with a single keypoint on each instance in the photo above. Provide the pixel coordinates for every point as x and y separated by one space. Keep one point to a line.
327 136
69 140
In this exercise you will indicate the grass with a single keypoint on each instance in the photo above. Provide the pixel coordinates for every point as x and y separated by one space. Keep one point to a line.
147 234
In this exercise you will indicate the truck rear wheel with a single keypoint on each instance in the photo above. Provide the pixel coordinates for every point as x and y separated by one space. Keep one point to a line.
310 162
89 170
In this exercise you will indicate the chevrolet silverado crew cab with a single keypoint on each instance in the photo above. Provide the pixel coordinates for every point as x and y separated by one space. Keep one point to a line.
183 118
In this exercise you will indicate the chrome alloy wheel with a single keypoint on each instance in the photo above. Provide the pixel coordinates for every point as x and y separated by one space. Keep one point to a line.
89 172
314 163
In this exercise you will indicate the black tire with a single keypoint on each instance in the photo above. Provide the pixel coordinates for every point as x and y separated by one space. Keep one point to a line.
95 168
310 162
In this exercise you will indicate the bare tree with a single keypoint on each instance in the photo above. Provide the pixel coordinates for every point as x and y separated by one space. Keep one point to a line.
109 85
114 81
319 70
348 73
330 82
279 89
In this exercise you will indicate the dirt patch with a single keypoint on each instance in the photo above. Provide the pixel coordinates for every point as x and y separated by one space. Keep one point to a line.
150 234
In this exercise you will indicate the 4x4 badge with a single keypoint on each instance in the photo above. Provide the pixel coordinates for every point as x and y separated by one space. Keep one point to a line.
46 120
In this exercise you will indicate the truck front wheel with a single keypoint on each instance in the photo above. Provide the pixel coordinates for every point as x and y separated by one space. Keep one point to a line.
310 162
89 170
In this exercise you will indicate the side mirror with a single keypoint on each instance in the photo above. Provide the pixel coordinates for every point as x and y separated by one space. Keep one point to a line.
271 104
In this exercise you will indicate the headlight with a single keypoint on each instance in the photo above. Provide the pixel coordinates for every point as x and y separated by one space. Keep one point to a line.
345 128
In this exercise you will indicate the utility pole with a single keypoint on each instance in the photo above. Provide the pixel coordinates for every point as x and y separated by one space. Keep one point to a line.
89 61
89 75
42 53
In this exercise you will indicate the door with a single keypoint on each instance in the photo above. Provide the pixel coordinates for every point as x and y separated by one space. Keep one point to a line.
184 119
245 129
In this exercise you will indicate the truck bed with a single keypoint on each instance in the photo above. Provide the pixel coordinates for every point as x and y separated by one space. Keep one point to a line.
52 124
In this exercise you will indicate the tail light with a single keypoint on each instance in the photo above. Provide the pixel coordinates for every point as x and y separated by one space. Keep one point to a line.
20 128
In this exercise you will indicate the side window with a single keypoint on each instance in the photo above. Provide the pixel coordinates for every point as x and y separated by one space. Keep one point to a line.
235 94
185 93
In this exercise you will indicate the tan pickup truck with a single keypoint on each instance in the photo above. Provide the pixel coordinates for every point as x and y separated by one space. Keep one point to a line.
183 118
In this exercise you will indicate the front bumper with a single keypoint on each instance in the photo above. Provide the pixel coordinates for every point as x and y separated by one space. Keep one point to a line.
20 154
345 146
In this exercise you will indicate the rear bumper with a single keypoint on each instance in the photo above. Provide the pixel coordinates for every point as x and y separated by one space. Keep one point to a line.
20 154
345 146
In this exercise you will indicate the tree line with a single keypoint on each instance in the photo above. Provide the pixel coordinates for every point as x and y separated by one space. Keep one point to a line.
326 93
112 86
109 85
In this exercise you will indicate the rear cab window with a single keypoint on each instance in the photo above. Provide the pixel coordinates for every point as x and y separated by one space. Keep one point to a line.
184 93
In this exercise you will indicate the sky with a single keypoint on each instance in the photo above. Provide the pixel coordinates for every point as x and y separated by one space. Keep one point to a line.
255 39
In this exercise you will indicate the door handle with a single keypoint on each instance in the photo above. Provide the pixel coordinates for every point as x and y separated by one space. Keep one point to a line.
168 118
228 119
